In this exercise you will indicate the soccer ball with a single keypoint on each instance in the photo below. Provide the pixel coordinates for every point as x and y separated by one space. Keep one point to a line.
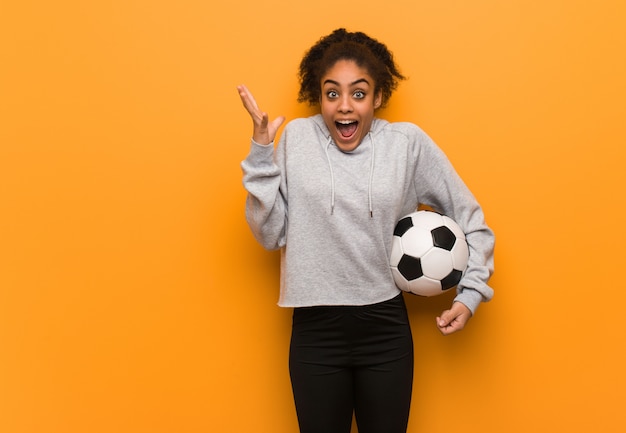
429 253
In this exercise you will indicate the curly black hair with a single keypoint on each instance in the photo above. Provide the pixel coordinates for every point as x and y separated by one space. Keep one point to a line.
365 51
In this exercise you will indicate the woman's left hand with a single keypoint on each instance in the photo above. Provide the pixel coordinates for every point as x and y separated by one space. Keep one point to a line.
454 319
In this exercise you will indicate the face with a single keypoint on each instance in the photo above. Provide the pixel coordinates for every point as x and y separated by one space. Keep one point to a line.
348 102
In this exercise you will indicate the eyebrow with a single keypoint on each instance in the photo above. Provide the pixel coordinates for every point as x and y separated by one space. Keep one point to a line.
360 80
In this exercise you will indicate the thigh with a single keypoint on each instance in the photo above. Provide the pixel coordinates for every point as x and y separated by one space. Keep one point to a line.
323 396
321 378
383 396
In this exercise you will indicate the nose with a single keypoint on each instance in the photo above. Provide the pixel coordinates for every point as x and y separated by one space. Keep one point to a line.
345 105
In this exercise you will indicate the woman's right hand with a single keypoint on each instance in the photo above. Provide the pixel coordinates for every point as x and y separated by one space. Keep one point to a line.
263 131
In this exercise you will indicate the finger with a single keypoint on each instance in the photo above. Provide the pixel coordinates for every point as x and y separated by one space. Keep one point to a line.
448 329
249 104
445 319
264 121
248 100
276 123
448 323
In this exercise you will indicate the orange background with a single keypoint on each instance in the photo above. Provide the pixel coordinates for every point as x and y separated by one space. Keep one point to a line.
133 297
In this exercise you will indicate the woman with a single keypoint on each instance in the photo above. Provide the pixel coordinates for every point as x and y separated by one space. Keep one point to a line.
329 196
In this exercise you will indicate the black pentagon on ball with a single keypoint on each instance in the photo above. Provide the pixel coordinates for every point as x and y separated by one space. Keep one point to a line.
410 267
451 280
443 238
403 225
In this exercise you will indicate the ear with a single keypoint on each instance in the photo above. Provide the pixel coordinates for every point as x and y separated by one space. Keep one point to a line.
378 99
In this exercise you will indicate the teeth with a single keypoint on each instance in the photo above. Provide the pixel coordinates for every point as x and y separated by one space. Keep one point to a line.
345 122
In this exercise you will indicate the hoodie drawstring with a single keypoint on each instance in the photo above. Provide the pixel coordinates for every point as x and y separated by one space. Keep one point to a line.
369 181
371 176
332 177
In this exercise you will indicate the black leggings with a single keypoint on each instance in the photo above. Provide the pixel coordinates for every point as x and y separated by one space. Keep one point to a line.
352 359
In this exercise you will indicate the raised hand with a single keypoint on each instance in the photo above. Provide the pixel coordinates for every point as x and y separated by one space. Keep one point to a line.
263 131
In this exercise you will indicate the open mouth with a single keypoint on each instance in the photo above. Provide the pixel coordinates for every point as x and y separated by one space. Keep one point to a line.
346 128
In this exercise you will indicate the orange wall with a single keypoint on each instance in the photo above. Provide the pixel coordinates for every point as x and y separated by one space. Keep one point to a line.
132 295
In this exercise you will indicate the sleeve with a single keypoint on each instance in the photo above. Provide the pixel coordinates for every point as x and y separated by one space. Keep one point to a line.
266 202
440 187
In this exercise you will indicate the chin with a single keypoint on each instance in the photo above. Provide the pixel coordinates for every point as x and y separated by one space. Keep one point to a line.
347 147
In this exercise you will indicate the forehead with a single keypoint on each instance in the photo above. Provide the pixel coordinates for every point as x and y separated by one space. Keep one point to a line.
347 72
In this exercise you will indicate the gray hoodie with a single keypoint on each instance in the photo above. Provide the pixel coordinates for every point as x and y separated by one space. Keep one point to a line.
332 213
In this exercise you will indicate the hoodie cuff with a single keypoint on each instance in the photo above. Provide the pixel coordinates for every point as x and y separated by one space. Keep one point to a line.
254 143
470 298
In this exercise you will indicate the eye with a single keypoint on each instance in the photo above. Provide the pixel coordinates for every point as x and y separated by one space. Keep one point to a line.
359 94
332 94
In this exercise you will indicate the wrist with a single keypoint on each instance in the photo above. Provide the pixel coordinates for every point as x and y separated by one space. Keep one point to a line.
261 141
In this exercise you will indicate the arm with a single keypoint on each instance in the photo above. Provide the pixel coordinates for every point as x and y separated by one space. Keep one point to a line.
441 187
262 178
